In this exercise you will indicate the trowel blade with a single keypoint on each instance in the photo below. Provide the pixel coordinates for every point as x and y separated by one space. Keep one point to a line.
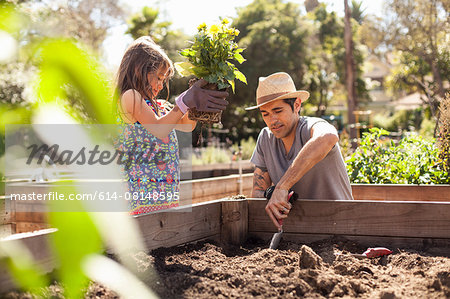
275 240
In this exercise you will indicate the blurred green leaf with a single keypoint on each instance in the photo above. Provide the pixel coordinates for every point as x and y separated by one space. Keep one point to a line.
77 237
62 62
17 258
116 277
12 20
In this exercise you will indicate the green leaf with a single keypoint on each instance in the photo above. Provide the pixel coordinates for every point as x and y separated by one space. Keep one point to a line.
240 76
239 58
200 72
184 68
232 84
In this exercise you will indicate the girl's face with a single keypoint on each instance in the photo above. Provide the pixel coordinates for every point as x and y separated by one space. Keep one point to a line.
157 80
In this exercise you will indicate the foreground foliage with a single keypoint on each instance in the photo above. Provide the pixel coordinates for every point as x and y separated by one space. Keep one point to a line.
413 160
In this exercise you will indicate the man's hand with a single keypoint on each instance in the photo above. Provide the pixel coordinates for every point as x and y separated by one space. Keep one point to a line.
278 206
204 99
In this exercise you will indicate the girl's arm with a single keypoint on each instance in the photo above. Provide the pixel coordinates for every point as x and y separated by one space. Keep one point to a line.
184 124
184 121
135 108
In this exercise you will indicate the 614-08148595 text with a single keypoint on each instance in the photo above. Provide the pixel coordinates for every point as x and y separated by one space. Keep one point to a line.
155 197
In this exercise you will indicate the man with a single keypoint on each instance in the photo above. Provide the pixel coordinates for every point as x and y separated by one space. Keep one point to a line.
293 152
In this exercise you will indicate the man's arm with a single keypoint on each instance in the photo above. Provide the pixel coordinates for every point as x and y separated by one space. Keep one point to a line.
261 181
323 139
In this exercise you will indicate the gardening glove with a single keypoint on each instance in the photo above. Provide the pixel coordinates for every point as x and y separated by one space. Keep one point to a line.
204 99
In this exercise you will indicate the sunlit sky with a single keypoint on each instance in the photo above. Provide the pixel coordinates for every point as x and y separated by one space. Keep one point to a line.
188 14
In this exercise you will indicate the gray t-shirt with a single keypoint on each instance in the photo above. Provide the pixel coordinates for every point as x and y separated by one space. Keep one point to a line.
328 179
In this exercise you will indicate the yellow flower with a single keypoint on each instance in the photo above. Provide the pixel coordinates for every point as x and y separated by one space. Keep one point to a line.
225 21
214 29
236 32
201 26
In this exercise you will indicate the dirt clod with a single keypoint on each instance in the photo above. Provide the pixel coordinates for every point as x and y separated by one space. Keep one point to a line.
309 259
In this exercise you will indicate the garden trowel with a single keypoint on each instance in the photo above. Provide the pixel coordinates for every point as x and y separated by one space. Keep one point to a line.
277 236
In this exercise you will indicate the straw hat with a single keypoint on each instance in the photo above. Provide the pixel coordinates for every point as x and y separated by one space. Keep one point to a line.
277 86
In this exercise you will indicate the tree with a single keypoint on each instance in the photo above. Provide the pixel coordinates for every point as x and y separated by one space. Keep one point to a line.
310 5
371 34
352 103
325 77
83 20
146 22
357 12
274 35
418 33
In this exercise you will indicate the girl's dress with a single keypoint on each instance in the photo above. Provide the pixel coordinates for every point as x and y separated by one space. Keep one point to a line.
151 167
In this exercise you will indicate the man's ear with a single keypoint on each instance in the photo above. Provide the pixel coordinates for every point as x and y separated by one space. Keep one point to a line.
297 105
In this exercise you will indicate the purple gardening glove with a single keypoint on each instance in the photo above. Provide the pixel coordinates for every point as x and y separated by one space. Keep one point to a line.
204 99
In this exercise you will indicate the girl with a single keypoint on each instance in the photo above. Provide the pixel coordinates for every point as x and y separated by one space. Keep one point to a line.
148 140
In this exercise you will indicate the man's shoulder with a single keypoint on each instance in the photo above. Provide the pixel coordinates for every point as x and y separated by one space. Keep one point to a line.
265 135
311 119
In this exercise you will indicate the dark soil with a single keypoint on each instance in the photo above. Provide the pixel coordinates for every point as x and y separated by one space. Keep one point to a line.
321 270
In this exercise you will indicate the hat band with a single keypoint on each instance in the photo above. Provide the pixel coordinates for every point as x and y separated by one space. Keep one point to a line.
269 97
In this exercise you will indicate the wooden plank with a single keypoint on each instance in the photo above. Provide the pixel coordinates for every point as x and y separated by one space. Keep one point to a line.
214 188
358 217
24 227
234 226
181 225
5 213
36 217
401 192
6 230
431 246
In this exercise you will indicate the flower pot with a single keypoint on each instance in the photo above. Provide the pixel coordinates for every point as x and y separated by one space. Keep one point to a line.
202 116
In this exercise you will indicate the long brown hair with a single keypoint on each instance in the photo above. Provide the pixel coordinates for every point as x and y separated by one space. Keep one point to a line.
142 57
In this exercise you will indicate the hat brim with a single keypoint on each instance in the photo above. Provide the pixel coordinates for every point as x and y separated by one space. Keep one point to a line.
302 94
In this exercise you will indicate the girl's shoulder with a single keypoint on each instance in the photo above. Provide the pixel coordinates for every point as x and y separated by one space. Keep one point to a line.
129 99
131 94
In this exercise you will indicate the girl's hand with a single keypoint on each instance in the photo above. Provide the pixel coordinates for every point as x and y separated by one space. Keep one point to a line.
204 99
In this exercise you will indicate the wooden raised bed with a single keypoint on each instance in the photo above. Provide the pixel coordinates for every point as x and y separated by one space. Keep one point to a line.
16 220
399 224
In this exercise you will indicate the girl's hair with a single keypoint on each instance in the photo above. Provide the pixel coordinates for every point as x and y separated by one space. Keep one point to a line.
142 57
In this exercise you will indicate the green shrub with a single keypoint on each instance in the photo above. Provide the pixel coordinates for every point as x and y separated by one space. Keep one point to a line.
379 161
211 155
400 120
247 147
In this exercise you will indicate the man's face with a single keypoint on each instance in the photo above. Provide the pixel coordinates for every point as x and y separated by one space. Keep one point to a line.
280 118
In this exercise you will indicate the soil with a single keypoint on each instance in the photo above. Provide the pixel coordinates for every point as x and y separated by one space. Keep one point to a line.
323 269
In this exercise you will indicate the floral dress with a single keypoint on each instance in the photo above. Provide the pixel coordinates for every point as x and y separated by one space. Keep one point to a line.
151 167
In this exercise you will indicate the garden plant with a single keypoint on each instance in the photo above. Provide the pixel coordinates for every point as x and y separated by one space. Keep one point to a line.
414 160
208 58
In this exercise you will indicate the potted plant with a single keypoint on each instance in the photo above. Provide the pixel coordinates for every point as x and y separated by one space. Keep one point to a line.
208 58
